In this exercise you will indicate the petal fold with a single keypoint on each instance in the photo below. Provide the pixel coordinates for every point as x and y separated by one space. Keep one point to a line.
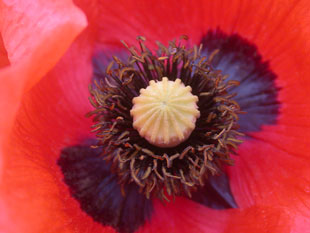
35 35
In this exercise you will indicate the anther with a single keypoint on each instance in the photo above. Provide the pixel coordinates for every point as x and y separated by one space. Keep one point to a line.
165 112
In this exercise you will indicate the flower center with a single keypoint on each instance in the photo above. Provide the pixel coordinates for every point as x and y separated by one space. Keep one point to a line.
165 112
111 191
147 121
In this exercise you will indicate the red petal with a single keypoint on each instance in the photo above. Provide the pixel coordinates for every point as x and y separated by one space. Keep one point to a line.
32 47
35 34
156 20
258 219
53 114
271 168
183 216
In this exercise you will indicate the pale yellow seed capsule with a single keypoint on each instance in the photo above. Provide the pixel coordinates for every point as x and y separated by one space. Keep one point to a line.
165 112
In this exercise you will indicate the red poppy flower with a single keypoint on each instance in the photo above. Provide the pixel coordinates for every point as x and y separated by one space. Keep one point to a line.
46 66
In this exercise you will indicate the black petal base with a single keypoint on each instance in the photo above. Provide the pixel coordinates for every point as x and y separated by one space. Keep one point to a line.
257 92
216 193
98 192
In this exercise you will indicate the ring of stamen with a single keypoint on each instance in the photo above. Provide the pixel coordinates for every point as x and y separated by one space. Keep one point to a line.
171 170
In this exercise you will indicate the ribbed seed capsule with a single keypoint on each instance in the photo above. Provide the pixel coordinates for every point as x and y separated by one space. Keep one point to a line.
165 112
